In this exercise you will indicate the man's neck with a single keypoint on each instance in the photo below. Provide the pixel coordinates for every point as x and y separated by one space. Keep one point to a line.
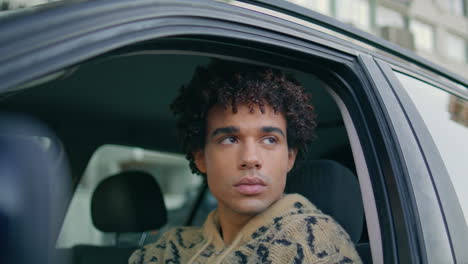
231 223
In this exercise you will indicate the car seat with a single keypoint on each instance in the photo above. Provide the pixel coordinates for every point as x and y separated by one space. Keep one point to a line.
334 189
34 188
130 201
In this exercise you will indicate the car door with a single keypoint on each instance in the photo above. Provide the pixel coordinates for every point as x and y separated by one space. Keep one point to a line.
431 202
433 106
48 42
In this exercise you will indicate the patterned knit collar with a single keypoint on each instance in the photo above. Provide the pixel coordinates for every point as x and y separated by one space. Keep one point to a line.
290 203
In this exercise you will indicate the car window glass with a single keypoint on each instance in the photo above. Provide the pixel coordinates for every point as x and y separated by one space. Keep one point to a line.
178 184
446 117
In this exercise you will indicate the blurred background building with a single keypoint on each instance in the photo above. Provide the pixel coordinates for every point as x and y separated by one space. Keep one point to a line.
435 29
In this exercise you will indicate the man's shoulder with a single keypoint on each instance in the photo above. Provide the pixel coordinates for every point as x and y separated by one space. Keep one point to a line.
296 211
306 218
182 235
177 239
311 236
297 220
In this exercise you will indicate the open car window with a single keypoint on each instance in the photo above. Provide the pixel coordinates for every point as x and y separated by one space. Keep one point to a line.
154 81
179 187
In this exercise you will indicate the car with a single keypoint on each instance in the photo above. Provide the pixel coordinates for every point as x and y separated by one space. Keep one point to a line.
101 75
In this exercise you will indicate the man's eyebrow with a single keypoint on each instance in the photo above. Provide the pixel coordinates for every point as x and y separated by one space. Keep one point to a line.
225 130
269 129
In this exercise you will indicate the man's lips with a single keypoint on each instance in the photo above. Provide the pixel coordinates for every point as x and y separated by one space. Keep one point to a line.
250 186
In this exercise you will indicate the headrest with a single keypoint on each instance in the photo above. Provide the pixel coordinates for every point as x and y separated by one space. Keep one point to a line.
130 201
334 189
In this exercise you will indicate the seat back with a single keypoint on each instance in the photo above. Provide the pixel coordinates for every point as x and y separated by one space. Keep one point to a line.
34 187
85 254
334 189
130 201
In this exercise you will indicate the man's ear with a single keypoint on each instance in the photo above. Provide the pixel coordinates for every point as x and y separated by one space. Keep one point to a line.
292 154
199 156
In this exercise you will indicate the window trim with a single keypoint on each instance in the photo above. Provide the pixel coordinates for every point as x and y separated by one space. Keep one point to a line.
430 79
368 197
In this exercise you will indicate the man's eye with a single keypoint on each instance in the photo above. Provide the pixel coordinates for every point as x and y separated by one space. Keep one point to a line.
229 140
269 140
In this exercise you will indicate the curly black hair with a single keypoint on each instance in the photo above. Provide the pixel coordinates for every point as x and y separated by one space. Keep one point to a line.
230 84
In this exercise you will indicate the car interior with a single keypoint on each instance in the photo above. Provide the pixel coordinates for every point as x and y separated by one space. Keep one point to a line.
111 115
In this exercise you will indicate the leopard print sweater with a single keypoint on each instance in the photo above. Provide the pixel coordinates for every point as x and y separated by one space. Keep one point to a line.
292 230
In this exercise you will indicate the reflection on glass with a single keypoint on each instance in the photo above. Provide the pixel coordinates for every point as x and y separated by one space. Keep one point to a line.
445 116
458 109
423 35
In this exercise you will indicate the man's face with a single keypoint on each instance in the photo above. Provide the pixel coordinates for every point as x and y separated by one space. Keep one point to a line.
246 158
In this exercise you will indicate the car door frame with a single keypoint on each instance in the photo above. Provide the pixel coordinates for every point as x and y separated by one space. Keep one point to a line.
449 213
68 39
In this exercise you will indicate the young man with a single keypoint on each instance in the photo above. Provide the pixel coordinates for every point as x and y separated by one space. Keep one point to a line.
242 127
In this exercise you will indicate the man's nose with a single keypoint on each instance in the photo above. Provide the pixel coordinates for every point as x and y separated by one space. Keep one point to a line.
250 156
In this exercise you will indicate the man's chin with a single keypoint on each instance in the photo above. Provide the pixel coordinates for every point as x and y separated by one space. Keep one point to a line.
252 208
